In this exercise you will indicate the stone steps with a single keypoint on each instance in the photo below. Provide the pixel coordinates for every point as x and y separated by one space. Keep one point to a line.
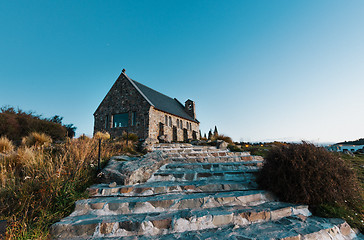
184 192
172 222
190 175
225 166
164 187
288 228
170 202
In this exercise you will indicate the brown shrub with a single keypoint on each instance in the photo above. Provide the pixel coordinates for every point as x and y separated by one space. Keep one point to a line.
304 173
222 137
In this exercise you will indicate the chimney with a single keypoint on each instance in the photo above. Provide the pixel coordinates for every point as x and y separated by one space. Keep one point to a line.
190 108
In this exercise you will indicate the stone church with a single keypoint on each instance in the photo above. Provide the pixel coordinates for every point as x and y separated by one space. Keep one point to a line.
132 107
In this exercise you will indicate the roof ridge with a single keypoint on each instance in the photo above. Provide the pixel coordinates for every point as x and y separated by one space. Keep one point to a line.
137 88
151 88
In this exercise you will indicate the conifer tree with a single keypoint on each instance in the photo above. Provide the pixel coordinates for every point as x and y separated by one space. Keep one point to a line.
216 133
204 135
210 134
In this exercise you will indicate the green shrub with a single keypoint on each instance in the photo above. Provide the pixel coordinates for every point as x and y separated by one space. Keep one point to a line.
304 173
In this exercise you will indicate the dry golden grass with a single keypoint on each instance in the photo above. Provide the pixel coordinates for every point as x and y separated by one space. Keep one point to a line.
6 146
39 185
102 135
37 139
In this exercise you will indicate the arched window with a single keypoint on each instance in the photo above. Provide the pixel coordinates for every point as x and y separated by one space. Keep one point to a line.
170 121
190 126
166 120
177 123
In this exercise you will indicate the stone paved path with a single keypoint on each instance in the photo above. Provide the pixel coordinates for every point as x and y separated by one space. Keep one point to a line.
181 191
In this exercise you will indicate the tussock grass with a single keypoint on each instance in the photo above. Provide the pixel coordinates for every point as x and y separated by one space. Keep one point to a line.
6 146
39 185
101 135
37 139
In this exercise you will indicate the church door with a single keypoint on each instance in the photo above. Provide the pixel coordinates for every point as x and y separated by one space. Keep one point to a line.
174 134
185 135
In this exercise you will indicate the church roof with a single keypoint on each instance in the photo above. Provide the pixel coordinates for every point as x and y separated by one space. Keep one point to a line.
161 101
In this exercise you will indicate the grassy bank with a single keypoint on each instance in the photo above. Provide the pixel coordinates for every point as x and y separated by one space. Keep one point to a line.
41 182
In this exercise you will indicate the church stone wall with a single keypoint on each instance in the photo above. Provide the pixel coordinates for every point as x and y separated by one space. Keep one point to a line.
156 118
123 98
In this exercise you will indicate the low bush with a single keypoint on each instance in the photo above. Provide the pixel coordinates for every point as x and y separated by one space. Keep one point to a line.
304 173
222 137
16 124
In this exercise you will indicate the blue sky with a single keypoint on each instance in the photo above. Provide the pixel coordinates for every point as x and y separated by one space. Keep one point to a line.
259 70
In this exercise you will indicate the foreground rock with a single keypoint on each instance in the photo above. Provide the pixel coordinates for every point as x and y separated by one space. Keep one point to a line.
183 192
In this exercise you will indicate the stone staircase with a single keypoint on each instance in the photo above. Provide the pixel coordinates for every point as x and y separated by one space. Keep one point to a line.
198 193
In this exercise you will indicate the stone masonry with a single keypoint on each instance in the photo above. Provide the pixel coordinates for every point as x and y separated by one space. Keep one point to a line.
146 112
180 191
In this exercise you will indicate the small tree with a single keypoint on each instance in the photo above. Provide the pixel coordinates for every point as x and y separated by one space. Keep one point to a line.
216 133
210 134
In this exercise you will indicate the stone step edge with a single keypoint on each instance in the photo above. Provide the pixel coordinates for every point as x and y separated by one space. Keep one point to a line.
338 230
215 163
197 171
127 225
157 188
170 202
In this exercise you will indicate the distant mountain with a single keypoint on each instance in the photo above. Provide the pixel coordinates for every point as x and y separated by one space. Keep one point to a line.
356 142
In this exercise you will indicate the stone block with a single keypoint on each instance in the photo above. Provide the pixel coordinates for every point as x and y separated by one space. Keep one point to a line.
106 228
188 187
93 191
98 205
162 224
191 203
345 229
221 220
280 213
130 226
204 175
256 216
165 204
114 206
85 229
126 189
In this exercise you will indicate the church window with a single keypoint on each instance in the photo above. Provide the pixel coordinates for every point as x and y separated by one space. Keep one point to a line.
166 120
177 123
120 120
107 121
133 118
170 121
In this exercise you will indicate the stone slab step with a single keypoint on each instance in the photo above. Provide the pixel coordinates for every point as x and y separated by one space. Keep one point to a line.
179 221
203 174
221 166
154 188
170 202
288 228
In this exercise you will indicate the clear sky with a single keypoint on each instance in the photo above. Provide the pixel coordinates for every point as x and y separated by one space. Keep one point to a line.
259 70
